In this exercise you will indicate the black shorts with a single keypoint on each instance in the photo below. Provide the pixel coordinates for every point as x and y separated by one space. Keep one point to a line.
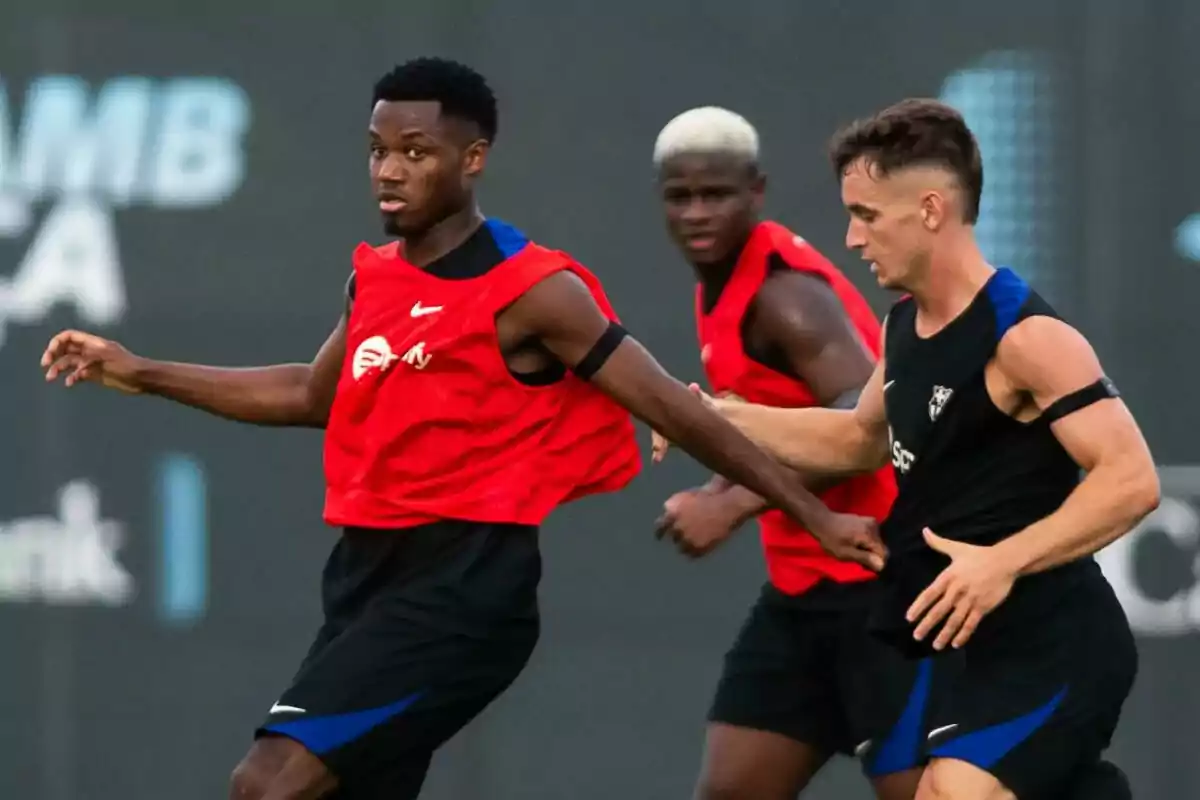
423 628
805 667
1038 699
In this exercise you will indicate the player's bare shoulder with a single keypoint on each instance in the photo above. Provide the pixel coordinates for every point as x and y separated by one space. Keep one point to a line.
1044 355
799 300
551 300
556 316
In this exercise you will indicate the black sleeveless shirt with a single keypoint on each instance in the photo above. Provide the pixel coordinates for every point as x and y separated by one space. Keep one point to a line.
964 468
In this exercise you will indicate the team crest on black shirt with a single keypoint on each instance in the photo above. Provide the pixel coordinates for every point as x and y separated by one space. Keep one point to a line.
941 396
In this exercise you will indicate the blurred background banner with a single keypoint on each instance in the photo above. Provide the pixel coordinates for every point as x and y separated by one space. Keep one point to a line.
192 183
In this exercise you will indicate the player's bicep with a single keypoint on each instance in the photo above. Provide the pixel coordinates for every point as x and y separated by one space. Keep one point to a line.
1057 367
802 316
562 314
1104 432
566 318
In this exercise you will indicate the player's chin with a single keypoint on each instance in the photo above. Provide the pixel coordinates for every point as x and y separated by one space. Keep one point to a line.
399 225
883 278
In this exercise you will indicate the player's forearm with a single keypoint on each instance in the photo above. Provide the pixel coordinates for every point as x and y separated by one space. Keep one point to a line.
748 504
813 440
1105 506
276 395
717 445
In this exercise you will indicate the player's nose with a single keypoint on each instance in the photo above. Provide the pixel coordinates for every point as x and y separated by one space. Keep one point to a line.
855 240
393 170
695 212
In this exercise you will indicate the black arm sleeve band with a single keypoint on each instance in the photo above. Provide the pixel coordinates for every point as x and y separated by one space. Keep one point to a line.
1093 393
601 350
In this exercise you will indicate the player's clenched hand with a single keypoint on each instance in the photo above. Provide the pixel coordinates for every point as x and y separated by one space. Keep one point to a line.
974 583
698 521
84 357
850 537
658 446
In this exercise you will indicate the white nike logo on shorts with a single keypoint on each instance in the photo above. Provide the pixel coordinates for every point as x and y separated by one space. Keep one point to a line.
942 729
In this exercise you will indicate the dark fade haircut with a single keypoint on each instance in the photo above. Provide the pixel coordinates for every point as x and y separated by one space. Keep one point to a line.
914 132
461 92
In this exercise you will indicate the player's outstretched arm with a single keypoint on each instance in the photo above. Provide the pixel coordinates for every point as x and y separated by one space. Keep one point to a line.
1057 367
562 313
820 440
285 394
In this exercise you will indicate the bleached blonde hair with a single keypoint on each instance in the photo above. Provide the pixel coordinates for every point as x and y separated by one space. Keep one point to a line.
707 130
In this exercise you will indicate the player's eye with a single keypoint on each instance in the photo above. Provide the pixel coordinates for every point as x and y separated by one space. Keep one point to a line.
378 151
414 153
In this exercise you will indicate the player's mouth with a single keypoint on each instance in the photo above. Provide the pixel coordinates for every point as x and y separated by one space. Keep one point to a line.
392 205
700 242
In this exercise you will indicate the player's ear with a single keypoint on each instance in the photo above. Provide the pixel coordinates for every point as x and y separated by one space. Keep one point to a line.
475 157
758 189
933 210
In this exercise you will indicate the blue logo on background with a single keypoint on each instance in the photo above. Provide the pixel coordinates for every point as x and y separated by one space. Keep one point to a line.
183 540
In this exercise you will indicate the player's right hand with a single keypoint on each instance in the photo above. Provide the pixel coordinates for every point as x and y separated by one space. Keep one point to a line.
85 357
850 537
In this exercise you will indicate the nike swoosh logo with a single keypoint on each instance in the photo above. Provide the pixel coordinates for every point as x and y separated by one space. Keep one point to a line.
886 386
278 709
419 310
942 729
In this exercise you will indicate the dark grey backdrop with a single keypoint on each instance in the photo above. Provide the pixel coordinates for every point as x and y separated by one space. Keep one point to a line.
1088 116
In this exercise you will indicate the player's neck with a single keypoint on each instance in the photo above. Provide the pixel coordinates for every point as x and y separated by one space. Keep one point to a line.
715 274
954 278
423 249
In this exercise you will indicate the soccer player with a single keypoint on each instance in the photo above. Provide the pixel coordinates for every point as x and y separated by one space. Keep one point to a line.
988 405
467 391
780 325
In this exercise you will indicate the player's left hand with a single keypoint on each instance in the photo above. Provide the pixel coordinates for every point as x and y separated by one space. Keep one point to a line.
974 584
658 446
698 521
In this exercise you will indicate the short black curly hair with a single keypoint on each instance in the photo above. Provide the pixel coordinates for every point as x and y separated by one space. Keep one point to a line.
461 91
914 132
